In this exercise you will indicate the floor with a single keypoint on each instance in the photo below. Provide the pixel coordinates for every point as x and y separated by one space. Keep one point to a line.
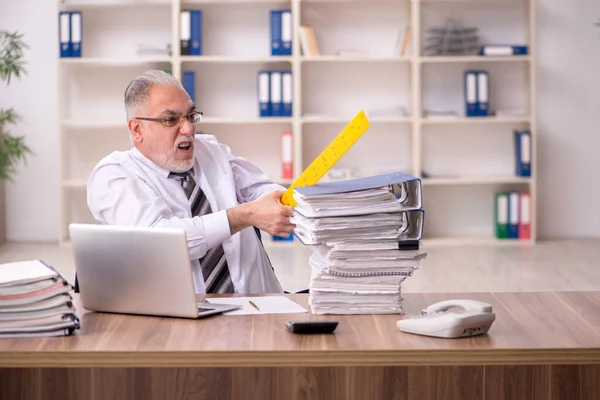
557 265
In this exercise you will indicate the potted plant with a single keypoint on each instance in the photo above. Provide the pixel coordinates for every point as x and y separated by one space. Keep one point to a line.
12 148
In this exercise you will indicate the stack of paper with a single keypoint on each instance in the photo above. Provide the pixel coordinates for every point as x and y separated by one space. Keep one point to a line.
35 301
366 234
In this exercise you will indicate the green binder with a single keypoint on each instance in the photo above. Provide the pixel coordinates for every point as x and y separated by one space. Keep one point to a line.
501 215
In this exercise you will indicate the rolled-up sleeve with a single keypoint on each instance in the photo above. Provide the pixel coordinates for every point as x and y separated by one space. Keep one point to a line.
116 197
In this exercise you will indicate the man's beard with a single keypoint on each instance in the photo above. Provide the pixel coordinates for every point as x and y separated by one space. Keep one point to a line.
178 166
169 162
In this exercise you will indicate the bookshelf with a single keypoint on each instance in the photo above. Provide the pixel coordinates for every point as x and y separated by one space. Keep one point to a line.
467 159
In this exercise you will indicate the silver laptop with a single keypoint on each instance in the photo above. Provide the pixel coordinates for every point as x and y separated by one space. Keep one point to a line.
137 270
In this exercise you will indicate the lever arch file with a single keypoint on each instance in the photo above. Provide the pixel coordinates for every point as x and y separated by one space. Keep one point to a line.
398 227
185 32
276 44
281 32
503 50
513 215
286 33
470 93
286 93
189 84
524 216
483 90
196 32
523 153
64 34
264 93
287 155
275 98
393 192
501 214
76 35
365 235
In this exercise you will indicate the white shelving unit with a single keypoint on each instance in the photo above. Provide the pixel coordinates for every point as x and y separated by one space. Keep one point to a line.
468 159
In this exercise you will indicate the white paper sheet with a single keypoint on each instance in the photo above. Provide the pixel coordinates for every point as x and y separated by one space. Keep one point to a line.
266 305
24 271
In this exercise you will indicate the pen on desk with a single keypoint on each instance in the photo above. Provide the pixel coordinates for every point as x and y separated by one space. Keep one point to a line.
254 305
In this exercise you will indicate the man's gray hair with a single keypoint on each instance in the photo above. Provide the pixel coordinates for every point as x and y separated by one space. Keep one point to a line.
137 91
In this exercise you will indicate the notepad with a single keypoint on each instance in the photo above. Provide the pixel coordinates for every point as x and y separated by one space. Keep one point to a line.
21 272
35 301
266 305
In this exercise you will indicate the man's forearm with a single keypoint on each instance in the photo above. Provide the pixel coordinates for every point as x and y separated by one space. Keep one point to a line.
239 217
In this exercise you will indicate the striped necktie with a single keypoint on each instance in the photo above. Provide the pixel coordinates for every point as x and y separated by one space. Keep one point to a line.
214 264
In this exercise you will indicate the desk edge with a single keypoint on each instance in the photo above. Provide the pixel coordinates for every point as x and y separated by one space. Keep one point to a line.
221 359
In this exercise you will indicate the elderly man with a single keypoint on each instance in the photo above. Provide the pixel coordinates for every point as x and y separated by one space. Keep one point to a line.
172 177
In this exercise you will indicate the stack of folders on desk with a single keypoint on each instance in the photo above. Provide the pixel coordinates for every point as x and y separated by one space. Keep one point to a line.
366 234
35 301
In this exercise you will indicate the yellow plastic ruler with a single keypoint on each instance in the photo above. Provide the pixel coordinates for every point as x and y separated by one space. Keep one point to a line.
328 157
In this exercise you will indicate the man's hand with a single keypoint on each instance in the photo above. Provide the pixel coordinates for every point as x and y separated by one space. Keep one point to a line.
266 213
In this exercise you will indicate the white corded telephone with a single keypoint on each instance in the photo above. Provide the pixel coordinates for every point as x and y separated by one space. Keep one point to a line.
475 318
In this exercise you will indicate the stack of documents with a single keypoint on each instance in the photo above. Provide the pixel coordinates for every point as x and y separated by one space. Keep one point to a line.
35 301
366 234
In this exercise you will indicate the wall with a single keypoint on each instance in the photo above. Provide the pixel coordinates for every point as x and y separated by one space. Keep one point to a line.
32 201
568 94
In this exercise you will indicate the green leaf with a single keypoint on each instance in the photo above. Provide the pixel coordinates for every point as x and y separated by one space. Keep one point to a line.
8 117
11 56
12 150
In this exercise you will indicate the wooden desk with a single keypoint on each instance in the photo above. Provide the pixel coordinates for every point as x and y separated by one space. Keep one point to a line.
542 346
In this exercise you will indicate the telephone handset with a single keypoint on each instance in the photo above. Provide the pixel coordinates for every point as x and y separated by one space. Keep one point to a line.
473 318
468 305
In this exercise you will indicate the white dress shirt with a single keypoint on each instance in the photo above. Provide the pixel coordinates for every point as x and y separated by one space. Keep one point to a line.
126 188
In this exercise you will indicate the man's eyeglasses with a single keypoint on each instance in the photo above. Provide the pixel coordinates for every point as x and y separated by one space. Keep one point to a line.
194 118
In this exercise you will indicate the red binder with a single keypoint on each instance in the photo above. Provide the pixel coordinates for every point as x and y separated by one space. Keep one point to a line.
525 216
286 156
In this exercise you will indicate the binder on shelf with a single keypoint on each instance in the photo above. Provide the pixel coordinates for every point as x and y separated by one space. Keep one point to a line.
503 50
286 93
513 215
501 215
286 33
281 32
286 155
195 32
189 84
275 95
264 93
76 33
64 34
483 89
276 43
477 93
523 153
184 34
525 216
470 93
